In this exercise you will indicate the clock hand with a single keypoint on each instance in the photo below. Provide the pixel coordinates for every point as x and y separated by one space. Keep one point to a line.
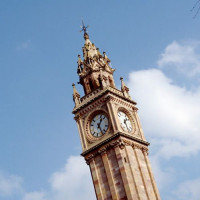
99 126
101 130
126 123
100 119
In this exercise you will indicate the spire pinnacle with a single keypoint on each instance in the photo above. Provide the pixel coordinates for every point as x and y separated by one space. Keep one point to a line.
124 88
76 95
84 29
75 92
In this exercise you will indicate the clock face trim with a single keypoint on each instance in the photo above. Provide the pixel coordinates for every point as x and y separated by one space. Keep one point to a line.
97 125
126 121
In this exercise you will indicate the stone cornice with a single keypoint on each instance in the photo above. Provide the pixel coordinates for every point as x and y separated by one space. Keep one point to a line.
132 139
97 94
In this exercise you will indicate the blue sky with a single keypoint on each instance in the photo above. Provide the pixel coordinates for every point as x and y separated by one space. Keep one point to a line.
154 45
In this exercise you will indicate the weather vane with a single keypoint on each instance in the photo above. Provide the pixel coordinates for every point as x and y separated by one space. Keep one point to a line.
196 5
83 27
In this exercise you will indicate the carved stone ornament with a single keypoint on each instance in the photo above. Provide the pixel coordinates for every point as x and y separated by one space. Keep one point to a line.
93 106
77 117
121 143
102 151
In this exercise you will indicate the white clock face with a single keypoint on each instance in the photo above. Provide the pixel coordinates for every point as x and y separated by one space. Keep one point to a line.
99 125
125 121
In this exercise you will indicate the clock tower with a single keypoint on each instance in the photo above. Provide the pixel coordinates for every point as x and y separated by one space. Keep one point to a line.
111 135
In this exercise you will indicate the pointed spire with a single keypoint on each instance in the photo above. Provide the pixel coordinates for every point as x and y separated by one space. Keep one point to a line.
80 65
124 88
86 36
76 95
89 50
94 70
84 29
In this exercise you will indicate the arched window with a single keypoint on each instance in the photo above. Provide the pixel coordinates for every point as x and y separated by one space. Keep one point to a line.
100 81
91 85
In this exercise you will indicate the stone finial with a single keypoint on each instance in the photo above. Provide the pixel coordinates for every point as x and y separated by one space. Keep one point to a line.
122 83
124 88
98 54
79 60
76 95
80 65
105 57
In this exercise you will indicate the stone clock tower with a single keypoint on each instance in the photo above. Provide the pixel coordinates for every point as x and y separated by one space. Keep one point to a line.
111 135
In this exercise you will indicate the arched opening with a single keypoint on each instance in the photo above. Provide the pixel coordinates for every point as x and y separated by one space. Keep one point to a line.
100 81
111 82
91 85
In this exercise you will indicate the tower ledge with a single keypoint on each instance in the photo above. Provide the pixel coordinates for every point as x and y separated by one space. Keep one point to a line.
87 99
114 142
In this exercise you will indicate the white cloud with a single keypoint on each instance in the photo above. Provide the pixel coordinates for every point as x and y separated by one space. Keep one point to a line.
34 196
170 114
73 181
188 190
10 185
182 57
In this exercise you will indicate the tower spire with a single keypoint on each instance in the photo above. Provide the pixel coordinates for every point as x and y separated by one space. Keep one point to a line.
84 29
94 70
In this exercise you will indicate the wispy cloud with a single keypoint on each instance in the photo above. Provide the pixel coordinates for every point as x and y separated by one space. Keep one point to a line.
34 196
10 185
73 181
183 57
188 190
23 45
75 176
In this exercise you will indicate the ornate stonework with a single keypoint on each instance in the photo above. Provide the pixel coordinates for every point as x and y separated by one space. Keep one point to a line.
111 135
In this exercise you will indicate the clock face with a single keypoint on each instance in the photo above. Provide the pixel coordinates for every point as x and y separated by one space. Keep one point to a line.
99 125
125 121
